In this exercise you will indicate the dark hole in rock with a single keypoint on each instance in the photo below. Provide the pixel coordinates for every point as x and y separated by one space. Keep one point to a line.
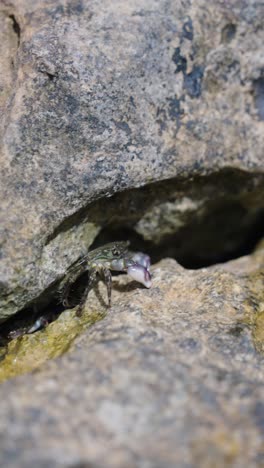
21 322
228 226
237 330
16 28
228 33
203 248
186 248
258 86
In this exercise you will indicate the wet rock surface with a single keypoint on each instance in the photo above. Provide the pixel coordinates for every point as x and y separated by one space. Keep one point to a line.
101 97
171 376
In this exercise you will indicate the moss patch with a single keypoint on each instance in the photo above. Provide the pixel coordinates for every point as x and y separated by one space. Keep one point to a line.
28 352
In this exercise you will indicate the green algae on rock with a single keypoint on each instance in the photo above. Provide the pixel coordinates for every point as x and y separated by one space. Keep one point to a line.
28 352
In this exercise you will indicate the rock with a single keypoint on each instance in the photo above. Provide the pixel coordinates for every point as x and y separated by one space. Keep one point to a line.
100 99
169 377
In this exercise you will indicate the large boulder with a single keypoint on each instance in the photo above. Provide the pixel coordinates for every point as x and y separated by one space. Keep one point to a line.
171 377
105 97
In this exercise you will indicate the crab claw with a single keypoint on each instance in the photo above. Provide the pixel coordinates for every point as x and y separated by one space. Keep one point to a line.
142 259
118 264
140 273
40 323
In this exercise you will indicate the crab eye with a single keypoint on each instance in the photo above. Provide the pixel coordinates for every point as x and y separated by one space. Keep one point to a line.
116 252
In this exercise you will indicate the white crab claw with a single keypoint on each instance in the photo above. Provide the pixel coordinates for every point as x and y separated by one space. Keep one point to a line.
140 274
142 259
118 264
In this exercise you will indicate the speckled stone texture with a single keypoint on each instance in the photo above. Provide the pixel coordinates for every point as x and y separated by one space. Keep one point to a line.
101 96
169 378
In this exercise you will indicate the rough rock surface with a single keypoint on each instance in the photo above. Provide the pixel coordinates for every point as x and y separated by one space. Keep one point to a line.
101 96
169 378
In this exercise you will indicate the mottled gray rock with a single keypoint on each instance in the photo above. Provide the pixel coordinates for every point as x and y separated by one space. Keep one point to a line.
99 97
169 378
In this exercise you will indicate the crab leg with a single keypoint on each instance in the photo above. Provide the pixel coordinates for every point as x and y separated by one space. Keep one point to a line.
91 282
108 282
67 287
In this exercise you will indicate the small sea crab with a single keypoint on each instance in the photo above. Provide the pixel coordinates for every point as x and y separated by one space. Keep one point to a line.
114 256
98 263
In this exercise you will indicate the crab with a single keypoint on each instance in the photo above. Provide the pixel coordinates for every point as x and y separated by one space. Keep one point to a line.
114 256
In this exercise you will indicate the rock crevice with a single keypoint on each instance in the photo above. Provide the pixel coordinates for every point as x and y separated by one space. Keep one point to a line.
106 101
